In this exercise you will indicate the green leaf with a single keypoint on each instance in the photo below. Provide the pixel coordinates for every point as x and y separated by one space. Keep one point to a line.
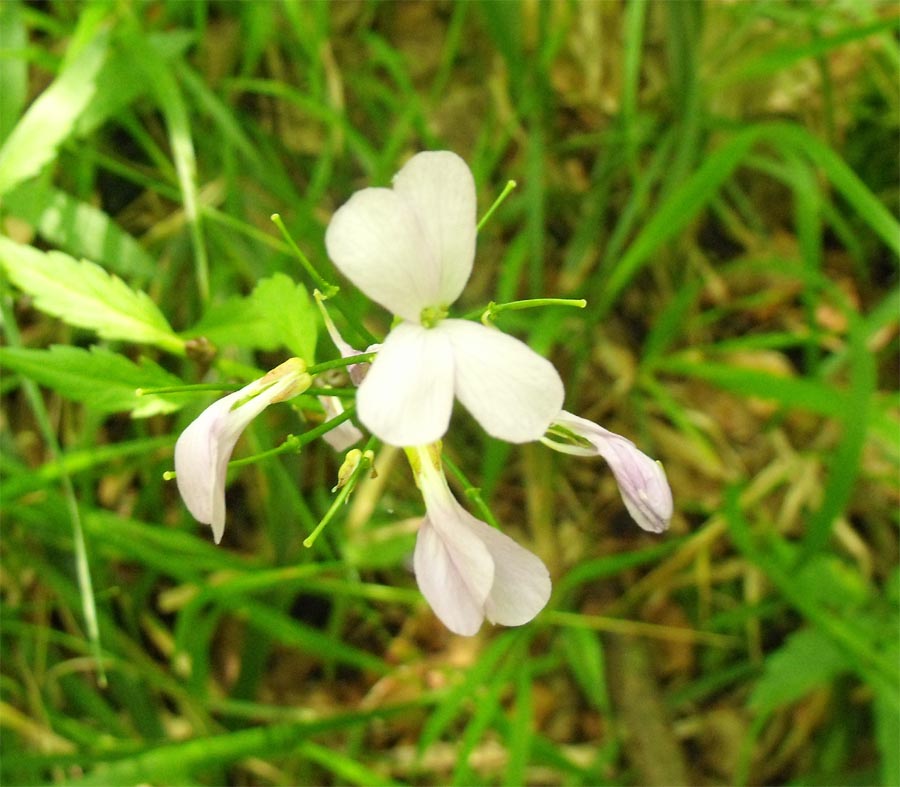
672 216
807 660
119 84
79 228
278 313
783 57
13 67
52 116
19 480
290 311
346 769
86 296
887 733
235 322
482 672
584 656
104 380
799 392
858 195
147 60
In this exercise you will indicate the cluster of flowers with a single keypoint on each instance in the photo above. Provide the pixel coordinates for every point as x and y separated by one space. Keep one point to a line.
410 248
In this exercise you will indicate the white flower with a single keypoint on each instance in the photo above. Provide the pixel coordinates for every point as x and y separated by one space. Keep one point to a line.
642 481
204 448
410 248
466 569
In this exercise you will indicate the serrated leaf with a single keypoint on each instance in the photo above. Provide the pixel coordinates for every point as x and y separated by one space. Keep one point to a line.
236 322
290 310
807 660
85 295
79 228
278 313
52 116
103 380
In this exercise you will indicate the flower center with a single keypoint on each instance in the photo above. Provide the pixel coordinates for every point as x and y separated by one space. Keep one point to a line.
432 315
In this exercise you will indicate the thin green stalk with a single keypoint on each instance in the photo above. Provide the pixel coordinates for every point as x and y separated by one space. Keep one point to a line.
171 389
472 492
82 565
493 309
339 363
507 189
328 290
344 393
293 443
365 462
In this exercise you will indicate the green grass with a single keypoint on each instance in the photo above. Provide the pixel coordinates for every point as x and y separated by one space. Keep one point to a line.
717 180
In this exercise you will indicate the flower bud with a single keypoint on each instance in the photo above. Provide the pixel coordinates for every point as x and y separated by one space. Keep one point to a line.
642 480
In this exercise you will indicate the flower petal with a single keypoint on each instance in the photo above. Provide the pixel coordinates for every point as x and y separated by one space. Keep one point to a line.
439 187
521 586
377 241
203 449
454 572
357 371
512 391
642 480
407 395
343 435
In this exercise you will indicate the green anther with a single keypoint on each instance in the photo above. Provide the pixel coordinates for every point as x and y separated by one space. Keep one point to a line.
432 315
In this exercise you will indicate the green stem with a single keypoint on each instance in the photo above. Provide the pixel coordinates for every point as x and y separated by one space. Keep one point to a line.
343 393
472 492
339 363
294 443
327 289
493 309
510 185
364 464
187 388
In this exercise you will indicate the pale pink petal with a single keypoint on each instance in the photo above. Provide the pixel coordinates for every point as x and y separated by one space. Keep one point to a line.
376 240
642 481
511 391
454 572
439 187
203 450
521 586
344 434
357 371
407 396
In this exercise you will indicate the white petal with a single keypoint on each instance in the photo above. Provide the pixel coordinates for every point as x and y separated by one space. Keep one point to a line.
407 395
377 241
203 449
439 187
642 481
343 435
202 453
512 391
454 572
521 586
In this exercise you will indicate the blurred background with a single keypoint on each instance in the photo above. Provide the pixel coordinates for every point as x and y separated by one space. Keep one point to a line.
719 180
